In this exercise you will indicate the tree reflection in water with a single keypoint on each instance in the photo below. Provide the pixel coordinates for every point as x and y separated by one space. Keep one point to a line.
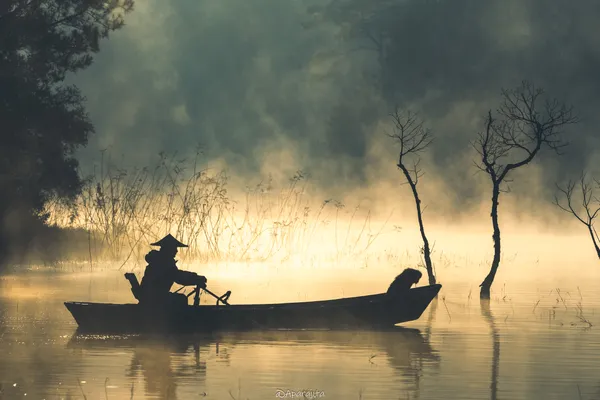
427 337
486 312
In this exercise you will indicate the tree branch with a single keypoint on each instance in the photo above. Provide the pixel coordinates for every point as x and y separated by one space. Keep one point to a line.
521 130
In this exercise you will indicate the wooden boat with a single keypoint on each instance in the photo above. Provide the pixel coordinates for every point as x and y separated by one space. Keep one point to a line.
371 311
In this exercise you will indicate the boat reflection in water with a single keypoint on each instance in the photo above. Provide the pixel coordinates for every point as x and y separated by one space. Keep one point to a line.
161 361
154 363
174 365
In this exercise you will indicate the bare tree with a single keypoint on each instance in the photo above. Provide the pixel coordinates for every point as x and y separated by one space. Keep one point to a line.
413 139
525 125
586 212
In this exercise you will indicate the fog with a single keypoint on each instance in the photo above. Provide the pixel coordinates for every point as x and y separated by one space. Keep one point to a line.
270 87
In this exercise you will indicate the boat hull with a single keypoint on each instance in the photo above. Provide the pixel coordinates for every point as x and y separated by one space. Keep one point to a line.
379 310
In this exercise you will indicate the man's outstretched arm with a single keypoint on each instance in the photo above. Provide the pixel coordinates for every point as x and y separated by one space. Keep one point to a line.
188 278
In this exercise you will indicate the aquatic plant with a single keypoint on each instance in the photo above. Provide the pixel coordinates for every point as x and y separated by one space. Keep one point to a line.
122 210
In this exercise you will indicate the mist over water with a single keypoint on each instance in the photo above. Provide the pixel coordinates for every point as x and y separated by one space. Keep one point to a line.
538 339
543 314
272 91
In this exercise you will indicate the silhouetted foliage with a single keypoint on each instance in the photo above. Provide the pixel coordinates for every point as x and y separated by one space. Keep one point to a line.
588 209
512 141
42 119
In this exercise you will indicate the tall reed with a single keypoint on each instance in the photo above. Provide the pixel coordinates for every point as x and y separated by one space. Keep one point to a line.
125 209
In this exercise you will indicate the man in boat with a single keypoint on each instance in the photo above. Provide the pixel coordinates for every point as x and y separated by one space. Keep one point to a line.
161 272
405 281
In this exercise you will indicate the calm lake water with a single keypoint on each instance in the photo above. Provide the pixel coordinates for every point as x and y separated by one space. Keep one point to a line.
532 341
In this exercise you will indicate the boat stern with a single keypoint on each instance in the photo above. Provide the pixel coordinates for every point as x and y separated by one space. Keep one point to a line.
104 317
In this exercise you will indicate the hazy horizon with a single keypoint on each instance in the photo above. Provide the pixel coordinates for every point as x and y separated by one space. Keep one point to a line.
274 87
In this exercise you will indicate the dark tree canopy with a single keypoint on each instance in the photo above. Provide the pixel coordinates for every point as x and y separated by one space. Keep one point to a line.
43 120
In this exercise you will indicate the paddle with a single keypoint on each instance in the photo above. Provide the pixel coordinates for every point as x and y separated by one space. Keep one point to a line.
223 299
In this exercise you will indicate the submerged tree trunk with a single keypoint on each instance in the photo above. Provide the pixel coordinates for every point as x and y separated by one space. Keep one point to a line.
489 279
426 248
592 234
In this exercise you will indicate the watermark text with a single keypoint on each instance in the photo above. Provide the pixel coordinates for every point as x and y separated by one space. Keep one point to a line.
299 394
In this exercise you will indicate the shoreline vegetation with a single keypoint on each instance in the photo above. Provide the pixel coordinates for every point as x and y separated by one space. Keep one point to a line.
119 211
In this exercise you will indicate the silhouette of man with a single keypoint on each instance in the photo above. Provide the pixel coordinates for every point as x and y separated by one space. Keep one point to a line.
161 272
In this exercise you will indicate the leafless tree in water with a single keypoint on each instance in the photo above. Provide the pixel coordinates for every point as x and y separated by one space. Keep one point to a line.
588 208
525 124
413 138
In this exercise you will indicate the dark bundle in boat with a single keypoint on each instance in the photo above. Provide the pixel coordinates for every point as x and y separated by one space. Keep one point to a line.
399 304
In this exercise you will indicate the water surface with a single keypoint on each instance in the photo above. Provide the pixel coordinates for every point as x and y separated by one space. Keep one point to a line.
532 340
